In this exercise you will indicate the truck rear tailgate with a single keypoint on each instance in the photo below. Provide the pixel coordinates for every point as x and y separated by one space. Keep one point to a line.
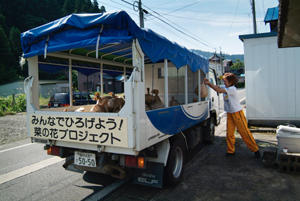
78 128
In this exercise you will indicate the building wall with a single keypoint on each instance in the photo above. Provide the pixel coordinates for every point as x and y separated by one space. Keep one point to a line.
94 80
47 90
272 86
12 88
217 66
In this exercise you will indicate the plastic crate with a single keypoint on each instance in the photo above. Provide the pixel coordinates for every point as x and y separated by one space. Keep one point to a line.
288 137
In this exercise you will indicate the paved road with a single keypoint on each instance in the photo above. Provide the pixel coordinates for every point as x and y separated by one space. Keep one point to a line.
28 173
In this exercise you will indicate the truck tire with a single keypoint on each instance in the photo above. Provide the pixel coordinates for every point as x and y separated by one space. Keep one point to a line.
175 164
211 131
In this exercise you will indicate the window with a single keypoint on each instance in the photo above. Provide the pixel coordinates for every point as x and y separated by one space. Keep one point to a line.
87 85
84 96
76 96
172 72
65 89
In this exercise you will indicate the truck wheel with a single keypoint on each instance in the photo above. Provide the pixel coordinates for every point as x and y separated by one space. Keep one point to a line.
175 163
211 138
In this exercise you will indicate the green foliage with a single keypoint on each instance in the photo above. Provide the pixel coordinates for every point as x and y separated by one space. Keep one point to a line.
20 103
69 7
102 9
2 18
15 46
74 79
238 64
12 104
7 74
240 85
18 16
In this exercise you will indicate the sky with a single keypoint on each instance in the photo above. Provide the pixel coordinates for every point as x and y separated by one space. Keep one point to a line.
207 25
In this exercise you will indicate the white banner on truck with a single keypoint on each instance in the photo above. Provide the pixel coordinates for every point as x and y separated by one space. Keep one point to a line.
109 131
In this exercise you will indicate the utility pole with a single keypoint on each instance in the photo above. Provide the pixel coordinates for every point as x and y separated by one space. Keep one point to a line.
254 17
216 68
141 14
221 60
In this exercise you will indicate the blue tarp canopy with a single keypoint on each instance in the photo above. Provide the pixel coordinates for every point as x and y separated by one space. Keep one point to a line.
117 30
51 67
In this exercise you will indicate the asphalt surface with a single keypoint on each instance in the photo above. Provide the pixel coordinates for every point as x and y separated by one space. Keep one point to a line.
239 177
208 176
213 176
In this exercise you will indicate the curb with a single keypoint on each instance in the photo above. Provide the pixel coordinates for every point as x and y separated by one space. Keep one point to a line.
263 130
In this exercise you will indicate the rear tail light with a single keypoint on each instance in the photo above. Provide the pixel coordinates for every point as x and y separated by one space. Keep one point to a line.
49 104
53 150
64 105
135 161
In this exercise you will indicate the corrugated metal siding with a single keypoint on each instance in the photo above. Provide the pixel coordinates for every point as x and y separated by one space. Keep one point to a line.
14 87
272 87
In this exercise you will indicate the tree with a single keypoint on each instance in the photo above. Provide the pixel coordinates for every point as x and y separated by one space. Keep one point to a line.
2 18
69 7
238 64
79 6
102 9
18 16
95 8
16 49
7 73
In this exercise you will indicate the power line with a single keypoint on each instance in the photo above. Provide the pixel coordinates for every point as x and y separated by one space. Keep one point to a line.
116 7
185 6
204 20
201 11
118 3
172 22
127 2
166 3
231 23
165 28
178 26
181 31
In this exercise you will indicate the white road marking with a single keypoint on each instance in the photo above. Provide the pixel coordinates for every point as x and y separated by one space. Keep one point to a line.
16 147
28 169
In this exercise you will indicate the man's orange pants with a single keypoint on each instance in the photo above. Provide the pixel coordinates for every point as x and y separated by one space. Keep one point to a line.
238 120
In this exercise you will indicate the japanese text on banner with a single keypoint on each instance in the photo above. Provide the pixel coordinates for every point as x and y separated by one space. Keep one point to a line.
96 130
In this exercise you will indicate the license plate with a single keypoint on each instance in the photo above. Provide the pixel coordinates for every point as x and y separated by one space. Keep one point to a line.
85 159
55 104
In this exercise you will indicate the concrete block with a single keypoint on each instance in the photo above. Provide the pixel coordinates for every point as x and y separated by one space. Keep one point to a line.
269 157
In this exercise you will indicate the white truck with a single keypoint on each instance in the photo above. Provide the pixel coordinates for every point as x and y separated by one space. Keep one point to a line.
152 142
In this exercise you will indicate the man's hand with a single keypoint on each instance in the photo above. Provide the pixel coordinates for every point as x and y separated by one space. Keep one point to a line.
214 87
206 81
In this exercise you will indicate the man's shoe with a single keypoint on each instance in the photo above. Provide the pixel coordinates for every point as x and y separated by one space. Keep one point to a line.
257 155
230 154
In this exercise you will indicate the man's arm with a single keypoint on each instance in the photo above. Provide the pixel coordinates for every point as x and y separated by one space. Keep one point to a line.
214 87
